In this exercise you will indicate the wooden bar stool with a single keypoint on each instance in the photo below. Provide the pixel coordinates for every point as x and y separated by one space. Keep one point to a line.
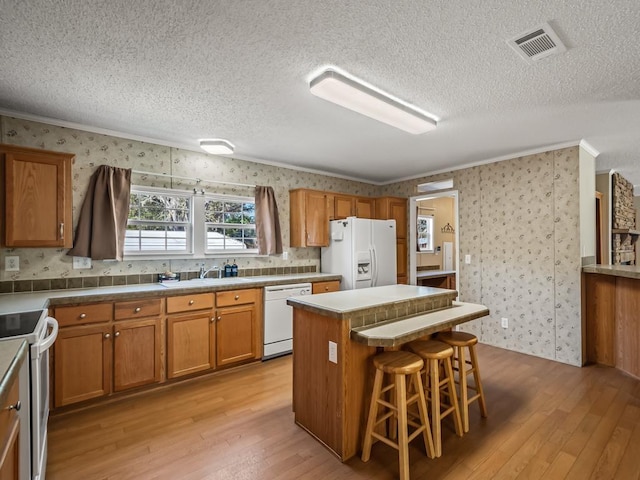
459 341
399 364
436 354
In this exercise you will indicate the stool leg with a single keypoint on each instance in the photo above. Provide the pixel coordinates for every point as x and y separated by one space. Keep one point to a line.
464 393
476 378
373 414
434 390
424 418
403 434
453 397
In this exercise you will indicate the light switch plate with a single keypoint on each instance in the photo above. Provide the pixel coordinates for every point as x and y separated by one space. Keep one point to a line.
505 322
333 352
80 263
467 259
285 255
12 263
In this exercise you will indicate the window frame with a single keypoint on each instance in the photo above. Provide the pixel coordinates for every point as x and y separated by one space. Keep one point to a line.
227 198
197 231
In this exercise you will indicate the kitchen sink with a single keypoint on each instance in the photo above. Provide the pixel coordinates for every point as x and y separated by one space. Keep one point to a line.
203 282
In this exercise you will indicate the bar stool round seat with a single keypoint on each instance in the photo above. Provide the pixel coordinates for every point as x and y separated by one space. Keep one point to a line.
459 341
400 365
435 355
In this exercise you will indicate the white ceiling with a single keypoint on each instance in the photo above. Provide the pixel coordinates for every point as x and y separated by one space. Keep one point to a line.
179 71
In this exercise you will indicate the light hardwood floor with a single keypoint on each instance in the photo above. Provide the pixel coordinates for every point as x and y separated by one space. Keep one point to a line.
546 420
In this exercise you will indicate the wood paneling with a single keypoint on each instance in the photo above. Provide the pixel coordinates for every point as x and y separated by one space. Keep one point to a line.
38 197
600 318
136 353
627 334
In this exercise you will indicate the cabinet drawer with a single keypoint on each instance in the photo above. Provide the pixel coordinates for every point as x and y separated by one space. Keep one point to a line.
138 308
81 314
237 297
325 287
187 303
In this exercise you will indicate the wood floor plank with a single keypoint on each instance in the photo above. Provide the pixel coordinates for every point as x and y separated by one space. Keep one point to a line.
546 421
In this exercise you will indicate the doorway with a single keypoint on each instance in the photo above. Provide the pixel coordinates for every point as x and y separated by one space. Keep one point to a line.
434 240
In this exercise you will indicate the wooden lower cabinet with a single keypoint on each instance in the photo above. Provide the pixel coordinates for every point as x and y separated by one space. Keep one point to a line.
325 287
236 335
82 359
9 435
401 259
136 353
190 340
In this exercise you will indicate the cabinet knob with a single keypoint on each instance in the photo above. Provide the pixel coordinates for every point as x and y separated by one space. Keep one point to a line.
237 297
107 336
117 334
326 289
137 310
15 407
219 318
83 315
213 319
191 302
61 231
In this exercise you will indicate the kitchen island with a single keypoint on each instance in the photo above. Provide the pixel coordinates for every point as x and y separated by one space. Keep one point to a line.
335 336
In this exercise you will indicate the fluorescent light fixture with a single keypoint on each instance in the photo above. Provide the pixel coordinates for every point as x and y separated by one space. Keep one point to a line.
217 146
434 186
354 94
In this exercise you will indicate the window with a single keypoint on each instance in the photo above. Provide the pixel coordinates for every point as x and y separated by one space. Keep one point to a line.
230 224
164 221
425 233
159 222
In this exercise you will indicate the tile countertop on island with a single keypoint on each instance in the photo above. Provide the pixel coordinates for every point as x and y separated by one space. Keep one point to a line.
23 302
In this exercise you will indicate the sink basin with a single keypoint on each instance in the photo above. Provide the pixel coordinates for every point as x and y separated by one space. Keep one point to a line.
203 282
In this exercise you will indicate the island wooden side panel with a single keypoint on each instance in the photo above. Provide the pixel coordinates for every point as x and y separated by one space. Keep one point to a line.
627 311
600 318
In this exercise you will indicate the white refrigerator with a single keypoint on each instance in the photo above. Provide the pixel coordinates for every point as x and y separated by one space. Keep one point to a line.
363 251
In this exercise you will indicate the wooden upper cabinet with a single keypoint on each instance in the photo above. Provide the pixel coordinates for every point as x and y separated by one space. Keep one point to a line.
393 208
340 206
365 207
37 197
309 218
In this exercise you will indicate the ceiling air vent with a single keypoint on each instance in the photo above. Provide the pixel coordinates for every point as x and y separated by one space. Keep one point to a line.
537 43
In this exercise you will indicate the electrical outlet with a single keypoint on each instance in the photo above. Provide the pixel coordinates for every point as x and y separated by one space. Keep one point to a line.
12 263
285 255
80 263
333 352
467 259
505 322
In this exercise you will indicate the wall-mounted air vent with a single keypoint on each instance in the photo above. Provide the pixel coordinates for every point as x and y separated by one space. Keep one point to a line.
537 43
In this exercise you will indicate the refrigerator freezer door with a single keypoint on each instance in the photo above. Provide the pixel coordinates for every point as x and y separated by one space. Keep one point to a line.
384 252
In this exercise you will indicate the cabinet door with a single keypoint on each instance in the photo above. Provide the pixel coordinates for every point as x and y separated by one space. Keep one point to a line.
316 220
38 198
82 358
136 353
189 343
236 335
342 206
365 207
395 208
9 429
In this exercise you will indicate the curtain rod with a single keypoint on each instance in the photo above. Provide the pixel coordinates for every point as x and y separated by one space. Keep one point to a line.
195 179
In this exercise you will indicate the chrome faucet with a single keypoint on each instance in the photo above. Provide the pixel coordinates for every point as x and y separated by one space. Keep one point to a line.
215 268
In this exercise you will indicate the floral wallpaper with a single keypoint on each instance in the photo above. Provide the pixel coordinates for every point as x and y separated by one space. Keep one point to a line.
93 149
519 221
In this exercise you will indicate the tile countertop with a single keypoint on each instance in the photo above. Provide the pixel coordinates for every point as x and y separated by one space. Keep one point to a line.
627 271
12 354
434 273
23 302
346 303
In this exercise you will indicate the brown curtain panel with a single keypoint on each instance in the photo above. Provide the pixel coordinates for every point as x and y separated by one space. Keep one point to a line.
267 222
103 218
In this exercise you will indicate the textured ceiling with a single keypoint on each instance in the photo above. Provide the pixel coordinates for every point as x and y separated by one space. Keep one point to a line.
178 71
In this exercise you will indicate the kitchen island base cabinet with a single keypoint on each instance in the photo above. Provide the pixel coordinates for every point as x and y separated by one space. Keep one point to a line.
82 359
330 406
190 343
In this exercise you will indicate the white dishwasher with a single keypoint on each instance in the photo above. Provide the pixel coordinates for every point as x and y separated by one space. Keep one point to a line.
278 318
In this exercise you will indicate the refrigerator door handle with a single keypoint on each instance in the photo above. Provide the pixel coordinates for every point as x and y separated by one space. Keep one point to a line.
374 266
